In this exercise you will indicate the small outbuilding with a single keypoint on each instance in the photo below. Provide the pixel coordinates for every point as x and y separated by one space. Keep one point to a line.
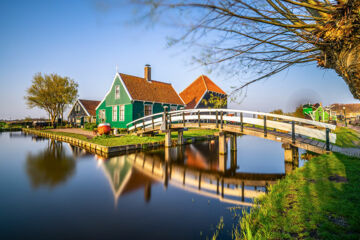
204 93
83 111
131 97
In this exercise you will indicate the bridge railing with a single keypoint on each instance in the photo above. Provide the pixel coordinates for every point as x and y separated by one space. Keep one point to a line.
240 118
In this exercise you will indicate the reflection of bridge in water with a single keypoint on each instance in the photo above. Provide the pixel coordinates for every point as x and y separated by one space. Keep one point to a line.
190 169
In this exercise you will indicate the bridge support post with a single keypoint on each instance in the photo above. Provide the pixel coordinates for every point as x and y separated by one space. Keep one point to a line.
233 142
167 138
222 143
233 163
167 155
222 163
291 156
180 140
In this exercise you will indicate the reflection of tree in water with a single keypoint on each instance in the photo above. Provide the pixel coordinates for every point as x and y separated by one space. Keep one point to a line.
50 167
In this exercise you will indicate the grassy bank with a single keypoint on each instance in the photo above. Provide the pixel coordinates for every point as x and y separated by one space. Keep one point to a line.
346 137
131 139
318 201
4 127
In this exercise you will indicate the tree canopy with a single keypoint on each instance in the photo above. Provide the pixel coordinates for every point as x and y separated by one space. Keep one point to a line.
51 93
269 36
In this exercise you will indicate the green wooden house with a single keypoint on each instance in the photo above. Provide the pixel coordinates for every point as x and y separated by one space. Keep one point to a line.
317 112
131 97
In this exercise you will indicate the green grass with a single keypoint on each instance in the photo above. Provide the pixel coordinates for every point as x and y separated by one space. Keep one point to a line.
308 205
346 137
131 139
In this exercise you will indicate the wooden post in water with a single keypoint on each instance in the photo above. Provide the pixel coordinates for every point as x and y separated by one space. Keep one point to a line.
222 163
167 155
291 157
233 143
199 181
167 138
222 143
180 140
222 187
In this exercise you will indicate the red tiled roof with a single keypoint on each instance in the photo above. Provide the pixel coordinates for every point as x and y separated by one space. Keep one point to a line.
90 106
194 92
154 91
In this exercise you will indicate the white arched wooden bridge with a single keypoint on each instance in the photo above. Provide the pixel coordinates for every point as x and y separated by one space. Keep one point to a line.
307 134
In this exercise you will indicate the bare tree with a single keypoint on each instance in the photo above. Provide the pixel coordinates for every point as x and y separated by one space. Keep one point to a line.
51 93
269 36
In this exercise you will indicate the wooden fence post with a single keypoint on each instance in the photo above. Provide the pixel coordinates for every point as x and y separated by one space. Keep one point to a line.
169 119
241 122
221 121
217 119
293 131
327 139
199 117
265 128
183 115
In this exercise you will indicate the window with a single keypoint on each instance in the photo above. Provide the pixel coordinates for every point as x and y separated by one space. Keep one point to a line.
102 115
117 92
173 108
147 110
114 113
121 112
77 108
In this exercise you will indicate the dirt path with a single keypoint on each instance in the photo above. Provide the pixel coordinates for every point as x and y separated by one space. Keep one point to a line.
86 133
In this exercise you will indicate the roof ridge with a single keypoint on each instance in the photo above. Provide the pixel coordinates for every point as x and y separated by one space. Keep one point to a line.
144 78
212 82
81 99
202 75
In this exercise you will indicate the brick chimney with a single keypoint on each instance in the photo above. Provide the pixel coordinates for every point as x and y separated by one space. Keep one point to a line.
147 72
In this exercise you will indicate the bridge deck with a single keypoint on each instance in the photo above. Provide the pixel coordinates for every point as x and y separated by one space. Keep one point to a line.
301 142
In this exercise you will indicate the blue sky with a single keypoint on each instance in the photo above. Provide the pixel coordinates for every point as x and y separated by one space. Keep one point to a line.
86 41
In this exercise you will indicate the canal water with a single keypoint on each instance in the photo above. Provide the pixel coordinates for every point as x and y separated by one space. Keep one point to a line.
52 190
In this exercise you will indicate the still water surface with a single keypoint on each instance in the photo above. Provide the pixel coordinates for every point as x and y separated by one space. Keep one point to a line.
52 190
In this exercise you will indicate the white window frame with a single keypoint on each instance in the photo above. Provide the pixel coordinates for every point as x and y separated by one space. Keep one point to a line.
114 113
117 92
102 115
121 113
151 112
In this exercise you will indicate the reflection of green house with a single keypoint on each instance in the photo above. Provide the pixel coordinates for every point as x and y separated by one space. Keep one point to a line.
131 97
124 178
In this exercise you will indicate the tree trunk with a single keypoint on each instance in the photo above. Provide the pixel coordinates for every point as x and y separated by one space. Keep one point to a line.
346 63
